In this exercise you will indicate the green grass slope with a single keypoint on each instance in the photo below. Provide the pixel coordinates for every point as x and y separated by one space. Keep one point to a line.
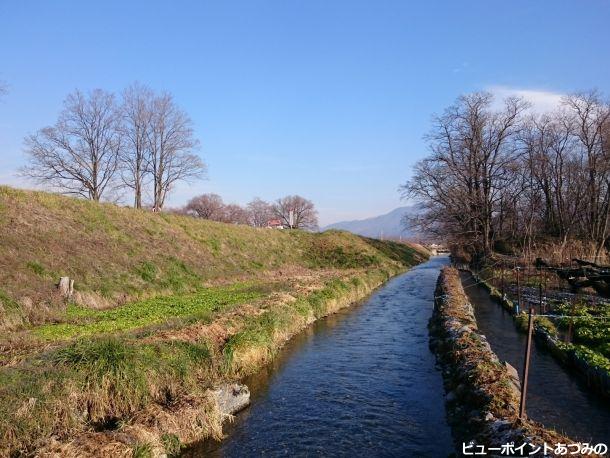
166 308
117 255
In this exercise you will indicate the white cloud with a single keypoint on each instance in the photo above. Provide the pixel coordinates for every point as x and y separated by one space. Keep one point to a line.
540 100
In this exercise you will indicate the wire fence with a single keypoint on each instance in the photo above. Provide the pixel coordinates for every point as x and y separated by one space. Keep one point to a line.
578 315
553 307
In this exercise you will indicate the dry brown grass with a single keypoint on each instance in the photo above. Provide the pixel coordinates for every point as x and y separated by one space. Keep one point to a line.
189 420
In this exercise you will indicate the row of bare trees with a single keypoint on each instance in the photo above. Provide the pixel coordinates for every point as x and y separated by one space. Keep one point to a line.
294 212
142 142
510 175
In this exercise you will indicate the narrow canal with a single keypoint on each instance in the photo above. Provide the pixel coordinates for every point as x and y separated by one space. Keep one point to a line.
556 398
361 382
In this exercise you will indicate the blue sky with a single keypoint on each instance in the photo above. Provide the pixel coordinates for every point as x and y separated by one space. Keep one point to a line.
324 98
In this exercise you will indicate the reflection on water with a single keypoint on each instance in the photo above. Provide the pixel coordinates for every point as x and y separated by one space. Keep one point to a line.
360 382
555 398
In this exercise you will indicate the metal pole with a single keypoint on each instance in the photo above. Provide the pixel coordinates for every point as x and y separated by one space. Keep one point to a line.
526 364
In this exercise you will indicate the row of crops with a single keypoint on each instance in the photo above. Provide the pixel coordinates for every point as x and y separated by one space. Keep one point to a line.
579 319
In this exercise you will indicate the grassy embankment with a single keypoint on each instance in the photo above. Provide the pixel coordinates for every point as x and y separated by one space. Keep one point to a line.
166 307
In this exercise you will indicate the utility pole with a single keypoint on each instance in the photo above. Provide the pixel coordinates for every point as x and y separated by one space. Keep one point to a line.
526 364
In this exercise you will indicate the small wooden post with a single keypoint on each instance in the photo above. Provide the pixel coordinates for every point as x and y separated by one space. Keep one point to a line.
518 291
502 282
526 363
540 307
544 290
571 322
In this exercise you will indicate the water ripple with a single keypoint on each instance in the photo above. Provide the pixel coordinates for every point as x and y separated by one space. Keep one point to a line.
363 383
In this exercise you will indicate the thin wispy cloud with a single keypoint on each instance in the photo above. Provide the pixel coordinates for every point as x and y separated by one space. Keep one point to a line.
541 100
460 68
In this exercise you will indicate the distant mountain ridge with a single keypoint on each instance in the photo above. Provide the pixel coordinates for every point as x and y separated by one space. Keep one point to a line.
389 225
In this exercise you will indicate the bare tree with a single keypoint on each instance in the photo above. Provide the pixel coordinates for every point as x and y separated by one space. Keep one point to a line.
260 212
211 206
554 168
462 182
493 175
591 120
136 123
235 214
296 212
171 141
206 206
79 154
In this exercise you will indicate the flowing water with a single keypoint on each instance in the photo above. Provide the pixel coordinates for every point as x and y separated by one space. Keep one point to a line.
361 382
555 397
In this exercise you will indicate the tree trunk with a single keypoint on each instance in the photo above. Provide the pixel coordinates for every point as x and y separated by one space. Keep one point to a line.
66 287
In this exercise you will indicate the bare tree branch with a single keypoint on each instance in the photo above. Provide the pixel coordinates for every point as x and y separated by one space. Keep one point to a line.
136 114
296 212
79 154
171 141
260 212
